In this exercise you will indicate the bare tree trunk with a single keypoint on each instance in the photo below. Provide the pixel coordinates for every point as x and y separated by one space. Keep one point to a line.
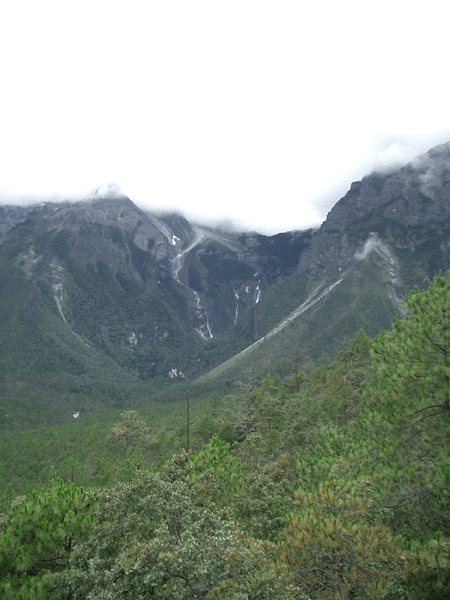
188 422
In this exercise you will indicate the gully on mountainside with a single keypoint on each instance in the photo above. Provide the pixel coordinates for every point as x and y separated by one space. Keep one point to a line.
373 243
202 328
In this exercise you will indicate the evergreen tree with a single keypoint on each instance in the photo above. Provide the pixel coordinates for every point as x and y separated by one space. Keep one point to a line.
40 533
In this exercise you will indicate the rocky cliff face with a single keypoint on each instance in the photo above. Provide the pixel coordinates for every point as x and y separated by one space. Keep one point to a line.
409 210
10 216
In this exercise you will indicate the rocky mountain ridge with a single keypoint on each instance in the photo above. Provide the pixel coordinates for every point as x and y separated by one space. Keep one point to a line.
157 295
397 207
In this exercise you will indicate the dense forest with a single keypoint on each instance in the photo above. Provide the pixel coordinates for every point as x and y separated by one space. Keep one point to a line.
329 483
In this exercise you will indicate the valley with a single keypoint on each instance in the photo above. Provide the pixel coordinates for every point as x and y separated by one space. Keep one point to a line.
152 295
167 388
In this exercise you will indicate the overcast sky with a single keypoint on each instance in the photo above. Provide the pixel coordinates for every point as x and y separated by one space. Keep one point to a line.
261 112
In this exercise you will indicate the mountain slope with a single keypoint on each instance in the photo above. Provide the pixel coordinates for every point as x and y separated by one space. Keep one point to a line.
100 290
101 280
389 233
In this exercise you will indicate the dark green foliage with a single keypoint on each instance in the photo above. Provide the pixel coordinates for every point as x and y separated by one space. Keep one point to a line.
60 244
194 279
315 459
358 301
157 536
333 549
407 412
374 503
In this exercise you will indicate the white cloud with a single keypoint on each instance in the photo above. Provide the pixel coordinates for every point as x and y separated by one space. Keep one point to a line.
262 112
394 155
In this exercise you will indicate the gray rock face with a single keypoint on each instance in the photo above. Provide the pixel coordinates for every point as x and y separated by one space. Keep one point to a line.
216 274
10 216
397 207
146 231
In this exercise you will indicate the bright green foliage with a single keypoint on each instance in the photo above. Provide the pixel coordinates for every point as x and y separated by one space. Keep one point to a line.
334 551
40 532
259 499
223 464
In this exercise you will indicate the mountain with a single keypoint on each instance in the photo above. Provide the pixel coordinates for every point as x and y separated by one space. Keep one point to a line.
101 293
102 290
388 234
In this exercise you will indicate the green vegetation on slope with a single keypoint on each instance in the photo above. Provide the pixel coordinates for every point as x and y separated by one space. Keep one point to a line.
358 301
330 483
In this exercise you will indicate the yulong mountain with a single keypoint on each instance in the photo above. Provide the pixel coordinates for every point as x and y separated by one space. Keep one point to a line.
100 290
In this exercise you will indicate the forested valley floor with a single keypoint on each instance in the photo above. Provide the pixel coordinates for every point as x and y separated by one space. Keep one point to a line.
329 483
